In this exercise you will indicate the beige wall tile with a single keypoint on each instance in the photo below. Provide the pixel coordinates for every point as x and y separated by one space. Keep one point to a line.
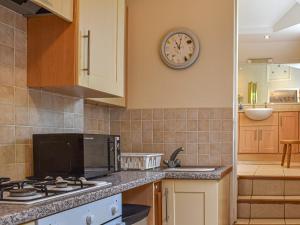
7 16
21 115
6 95
136 114
203 148
181 125
158 137
125 126
69 120
192 137
20 59
203 114
192 114
7 154
7 135
192 149
21 22
24 154
203 137
192 125
7 75
23 135
6 35
20 40
203 125
170 125
21 97
147 114
158 114
7 114
6 55
147 125
136 125
147 137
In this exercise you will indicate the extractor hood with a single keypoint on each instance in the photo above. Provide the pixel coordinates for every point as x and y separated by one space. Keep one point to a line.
24 7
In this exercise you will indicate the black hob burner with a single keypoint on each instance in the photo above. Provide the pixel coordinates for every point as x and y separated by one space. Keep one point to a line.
35 190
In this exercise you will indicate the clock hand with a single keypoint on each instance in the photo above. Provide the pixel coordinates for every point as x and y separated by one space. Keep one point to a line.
178 46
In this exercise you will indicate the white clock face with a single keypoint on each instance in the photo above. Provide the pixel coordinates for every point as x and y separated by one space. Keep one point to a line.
180 49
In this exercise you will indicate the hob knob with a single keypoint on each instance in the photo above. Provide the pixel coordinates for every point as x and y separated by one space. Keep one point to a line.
89 220
114 210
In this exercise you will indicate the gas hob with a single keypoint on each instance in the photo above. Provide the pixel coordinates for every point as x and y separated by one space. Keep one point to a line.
33 191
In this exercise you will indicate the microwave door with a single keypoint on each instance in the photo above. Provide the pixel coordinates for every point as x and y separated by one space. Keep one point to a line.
96 156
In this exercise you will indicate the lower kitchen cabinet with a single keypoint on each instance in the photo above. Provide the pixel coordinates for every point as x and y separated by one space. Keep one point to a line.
31 223
150 195
196 202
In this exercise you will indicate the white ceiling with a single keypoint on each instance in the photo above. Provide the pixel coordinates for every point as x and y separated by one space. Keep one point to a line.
258 18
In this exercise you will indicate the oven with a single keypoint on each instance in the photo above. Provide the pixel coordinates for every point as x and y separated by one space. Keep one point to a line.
107 211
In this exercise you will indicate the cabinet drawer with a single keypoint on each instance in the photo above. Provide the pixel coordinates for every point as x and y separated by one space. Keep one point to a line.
271 121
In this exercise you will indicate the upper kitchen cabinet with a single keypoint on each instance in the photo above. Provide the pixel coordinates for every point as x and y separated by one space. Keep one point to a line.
61 8
84 58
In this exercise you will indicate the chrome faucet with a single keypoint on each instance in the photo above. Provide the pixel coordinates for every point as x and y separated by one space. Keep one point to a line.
173 162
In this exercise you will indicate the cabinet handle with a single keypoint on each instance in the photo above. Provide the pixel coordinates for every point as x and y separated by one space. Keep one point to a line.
166 205
88 37
260 134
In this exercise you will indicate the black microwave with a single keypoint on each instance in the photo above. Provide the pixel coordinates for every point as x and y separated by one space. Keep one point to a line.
76 154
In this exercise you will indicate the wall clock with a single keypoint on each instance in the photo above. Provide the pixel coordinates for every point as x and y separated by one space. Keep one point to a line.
180 49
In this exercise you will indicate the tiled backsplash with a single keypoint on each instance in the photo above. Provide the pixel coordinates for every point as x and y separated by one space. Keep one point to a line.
26 111
96 119
205 134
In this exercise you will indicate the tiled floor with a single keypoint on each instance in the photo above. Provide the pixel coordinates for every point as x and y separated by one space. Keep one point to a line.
276 170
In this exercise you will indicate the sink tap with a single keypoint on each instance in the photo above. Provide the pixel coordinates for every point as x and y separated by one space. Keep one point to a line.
173 162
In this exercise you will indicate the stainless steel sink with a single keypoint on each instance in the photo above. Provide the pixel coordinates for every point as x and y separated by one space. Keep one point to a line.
190 169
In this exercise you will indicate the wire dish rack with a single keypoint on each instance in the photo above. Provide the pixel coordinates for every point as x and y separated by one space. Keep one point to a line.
140 161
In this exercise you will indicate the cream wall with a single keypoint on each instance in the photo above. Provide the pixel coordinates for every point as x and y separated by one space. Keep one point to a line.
209 82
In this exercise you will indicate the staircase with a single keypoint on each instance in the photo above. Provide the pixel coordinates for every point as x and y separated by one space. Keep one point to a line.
269 199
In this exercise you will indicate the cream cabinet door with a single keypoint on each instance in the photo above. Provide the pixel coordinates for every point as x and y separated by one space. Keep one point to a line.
248 140
268 139
289 128
190 202
101 28
61 8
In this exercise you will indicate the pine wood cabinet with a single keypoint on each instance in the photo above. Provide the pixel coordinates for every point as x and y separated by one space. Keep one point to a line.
196 202
248 140
258 139
289 128
84 58
268 139
61 8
